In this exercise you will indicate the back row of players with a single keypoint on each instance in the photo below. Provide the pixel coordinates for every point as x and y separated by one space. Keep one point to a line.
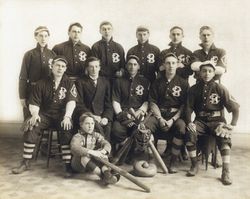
53 99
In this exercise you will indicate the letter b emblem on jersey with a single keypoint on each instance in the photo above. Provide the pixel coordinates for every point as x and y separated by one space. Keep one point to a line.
214 98
176 91
214 59
151 58
139 90
62 93
82 56
115 57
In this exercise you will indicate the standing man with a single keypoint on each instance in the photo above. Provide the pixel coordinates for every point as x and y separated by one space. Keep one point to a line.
36 65
129 92
207 100
167 97
209 53
51 104
94 92
183 54
147 53
75 52
109 52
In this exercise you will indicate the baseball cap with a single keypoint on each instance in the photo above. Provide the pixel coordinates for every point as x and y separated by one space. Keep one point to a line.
134 57
142 28
170 55
40 29
207 63
60 58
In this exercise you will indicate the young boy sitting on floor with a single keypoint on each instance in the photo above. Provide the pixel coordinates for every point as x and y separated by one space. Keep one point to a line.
87 144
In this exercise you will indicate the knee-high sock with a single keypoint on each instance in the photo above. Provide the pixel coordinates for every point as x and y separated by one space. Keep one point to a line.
176 145
191 150
66 154
45 136
28 150
225 153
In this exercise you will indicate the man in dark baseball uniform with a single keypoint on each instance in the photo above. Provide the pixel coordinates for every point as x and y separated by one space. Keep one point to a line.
183 54
129 92
147 53
209 52
184 60
75 52
94 92
167 97
35 66
51 104
207 100
109 52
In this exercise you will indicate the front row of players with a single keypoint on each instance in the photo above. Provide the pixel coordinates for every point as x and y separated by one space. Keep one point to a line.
169 98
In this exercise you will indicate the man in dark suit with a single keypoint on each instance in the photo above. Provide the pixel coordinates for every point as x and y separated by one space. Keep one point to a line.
94 93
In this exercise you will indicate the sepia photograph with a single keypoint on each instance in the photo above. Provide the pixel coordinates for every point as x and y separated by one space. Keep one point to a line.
124 99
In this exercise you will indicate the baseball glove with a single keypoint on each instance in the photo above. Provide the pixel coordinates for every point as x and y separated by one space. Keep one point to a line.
224 130
124 119
144 169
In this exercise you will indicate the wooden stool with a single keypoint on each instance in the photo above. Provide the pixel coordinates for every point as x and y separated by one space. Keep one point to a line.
53 144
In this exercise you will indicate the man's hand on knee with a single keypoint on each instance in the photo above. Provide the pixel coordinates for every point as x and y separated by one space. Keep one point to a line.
66 124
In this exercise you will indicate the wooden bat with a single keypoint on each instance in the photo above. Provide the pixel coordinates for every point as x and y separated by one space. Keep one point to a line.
157 156
123 173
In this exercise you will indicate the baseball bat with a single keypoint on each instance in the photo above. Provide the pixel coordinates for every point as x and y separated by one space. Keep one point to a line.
157 157
125 147
123 173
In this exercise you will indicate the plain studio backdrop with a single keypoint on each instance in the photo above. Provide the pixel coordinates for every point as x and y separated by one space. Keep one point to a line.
229 18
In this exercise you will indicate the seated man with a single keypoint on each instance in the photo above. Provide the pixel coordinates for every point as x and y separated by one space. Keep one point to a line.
129 99
208 99
94 92
167 97
51 104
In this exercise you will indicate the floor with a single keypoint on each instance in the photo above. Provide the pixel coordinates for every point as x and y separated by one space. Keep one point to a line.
40 182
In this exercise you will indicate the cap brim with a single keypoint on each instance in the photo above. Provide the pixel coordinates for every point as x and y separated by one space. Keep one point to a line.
61 59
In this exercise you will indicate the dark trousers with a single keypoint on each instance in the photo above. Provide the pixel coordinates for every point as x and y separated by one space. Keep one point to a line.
47 121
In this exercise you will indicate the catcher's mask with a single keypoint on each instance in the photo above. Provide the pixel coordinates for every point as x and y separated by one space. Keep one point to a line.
142 137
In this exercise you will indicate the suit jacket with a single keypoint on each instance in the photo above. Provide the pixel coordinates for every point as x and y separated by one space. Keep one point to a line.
95 99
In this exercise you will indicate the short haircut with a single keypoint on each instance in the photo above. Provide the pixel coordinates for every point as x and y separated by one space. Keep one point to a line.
206 28
84 116
91 59
105 23
177 27
74 24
